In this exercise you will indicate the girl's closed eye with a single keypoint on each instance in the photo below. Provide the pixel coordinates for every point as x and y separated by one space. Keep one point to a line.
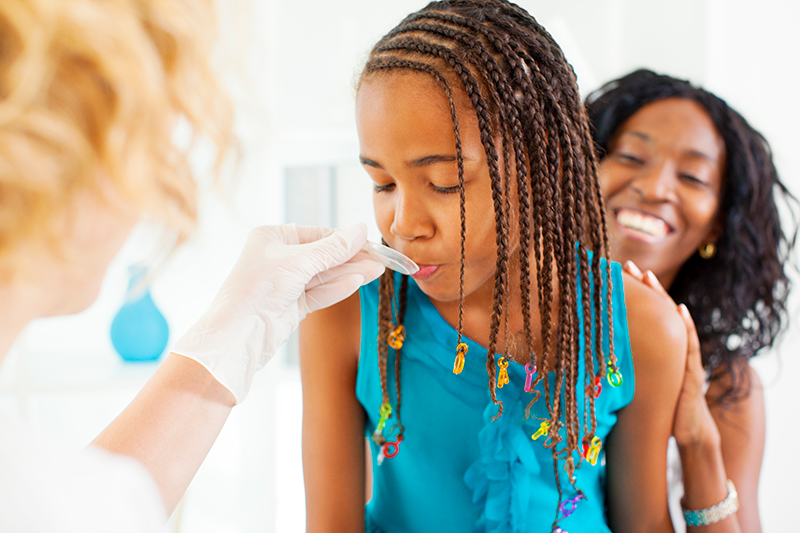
389 187
384 188
445 190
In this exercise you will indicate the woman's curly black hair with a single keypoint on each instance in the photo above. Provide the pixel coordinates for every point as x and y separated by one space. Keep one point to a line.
738 297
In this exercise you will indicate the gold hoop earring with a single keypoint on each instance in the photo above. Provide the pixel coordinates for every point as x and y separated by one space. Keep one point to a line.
708 251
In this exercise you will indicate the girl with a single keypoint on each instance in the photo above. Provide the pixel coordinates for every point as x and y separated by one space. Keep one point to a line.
474 135
690 187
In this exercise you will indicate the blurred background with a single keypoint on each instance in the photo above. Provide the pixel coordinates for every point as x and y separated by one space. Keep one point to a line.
291 67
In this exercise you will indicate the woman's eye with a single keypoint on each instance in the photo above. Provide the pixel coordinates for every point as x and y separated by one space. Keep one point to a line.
692 179
384 188
629 158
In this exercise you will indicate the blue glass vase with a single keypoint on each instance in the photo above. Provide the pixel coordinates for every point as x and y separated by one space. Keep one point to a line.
139 332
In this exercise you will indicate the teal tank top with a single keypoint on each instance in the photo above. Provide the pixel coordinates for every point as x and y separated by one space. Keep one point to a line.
455 469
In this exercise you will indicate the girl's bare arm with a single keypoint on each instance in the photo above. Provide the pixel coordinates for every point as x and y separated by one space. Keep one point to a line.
333 419
637 446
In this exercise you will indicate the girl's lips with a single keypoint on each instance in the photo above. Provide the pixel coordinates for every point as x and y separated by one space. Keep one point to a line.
425 272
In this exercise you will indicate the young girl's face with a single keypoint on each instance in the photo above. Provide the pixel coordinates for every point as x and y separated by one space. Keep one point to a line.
408 149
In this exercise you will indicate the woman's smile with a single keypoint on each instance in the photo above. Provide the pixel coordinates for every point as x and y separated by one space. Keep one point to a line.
642 226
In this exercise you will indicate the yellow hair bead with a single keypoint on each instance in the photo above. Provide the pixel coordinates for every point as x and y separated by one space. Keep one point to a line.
397 337
502 376
544 427
458 364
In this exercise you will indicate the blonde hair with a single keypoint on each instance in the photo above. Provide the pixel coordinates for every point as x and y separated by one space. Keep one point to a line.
89 91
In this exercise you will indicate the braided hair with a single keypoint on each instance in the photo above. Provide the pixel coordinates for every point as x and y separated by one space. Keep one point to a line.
524 93
737 298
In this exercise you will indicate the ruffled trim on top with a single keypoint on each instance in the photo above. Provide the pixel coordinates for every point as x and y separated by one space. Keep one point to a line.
502 478
507 475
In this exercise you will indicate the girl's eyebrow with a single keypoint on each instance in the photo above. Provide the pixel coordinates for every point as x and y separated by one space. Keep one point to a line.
431 160
369 162
416 163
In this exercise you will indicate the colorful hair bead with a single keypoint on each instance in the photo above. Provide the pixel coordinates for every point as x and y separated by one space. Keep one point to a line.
612 374
598 386
502 376
614 377
592 451
530 370
461 353
568 507
386 412
389 449
397 337
543 429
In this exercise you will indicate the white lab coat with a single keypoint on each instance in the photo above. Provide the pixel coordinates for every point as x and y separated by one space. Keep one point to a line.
47 488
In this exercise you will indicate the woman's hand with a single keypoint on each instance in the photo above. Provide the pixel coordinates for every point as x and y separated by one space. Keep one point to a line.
283 274
693 421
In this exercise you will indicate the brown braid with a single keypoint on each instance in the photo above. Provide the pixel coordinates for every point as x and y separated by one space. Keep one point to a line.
386 293
401 316
385 326
521 87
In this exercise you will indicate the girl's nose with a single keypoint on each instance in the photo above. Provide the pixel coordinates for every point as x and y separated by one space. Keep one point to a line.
411 218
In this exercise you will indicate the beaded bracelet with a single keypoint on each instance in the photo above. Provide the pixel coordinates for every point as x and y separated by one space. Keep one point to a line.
715 513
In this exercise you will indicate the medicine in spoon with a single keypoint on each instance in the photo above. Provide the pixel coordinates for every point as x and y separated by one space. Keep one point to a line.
391 258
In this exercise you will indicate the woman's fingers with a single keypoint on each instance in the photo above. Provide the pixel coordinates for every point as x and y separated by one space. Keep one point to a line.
631 268
648 278
693 421
694 361
651 281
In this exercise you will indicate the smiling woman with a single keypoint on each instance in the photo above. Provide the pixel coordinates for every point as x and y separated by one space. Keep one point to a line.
691 191
662 178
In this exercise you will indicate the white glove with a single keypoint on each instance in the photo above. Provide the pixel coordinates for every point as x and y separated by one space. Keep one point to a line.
283 273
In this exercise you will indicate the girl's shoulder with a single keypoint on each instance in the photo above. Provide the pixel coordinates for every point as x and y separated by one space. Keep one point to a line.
657 333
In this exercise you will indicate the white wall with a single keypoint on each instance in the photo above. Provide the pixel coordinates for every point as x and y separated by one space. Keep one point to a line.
291 66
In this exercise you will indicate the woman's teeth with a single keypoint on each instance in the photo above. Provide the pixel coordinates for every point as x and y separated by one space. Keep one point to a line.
643 223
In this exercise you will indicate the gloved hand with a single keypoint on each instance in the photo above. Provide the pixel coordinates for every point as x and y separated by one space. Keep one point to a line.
283 273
